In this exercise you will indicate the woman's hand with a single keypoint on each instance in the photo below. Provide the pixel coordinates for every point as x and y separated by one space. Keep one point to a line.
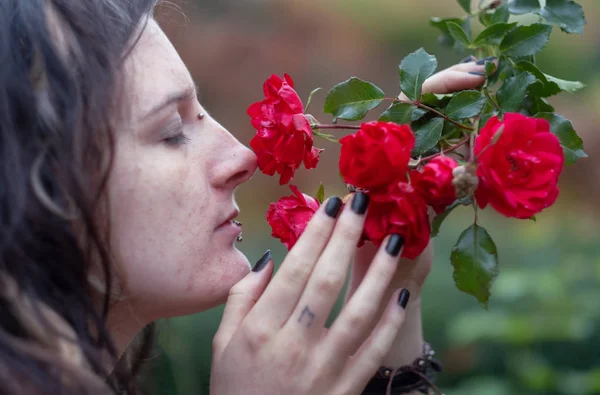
272 338
411 274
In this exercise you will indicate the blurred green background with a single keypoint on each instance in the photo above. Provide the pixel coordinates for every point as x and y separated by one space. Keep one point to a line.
541 333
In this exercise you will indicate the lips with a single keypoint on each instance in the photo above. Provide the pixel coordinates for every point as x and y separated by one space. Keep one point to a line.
231 220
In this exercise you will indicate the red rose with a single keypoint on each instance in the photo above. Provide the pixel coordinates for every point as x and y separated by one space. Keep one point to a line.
289 216
284 138
518 174
376 155
434 183
398 209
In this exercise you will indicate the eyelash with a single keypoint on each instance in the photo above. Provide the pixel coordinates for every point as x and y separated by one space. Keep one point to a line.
179 138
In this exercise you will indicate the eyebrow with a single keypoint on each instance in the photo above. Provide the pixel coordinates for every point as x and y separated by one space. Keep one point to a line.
189 93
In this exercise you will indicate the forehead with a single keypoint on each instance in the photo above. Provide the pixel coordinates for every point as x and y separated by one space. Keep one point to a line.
153 70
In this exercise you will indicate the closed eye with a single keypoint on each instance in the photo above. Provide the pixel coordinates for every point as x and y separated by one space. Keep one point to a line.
177 140
173 134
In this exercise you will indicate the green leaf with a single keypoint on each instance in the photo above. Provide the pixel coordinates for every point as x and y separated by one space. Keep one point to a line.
439 219
430 99
490 69
418 114
485 18
570 141
489 110
501 14
539 104
534 104
445 38
566 14
458 34
503 66
466 5
414 70
399 113
441 24
467 26
451 131
352 99
321 194
526 40
494 34
427 136
475 262
465 104
326 136
512 93
435 99
542 87
567 86
519 7
310 96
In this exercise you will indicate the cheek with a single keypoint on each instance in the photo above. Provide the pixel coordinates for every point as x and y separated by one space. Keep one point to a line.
161 212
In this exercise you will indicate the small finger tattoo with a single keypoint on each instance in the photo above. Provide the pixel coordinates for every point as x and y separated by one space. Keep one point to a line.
310 317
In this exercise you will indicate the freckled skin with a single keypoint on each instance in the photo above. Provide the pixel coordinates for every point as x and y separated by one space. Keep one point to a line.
166 200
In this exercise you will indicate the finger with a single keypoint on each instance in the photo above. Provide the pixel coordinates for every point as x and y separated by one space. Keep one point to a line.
329 274
363 257
370 356
282 294
242 297
462 76
459 77
358 316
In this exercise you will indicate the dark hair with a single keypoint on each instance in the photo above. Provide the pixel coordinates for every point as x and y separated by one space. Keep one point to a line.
60 63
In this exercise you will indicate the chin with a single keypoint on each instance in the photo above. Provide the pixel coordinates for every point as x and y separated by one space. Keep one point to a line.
203 290
233 267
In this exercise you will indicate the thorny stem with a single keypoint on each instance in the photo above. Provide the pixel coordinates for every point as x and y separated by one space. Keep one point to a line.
460 143
396 100
448 150
436 112
328 126
487 93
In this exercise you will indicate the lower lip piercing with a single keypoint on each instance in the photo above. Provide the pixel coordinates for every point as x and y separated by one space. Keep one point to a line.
238 224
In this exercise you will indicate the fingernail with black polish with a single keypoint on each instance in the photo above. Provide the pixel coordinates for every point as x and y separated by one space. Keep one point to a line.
468 59
333 206
484 60
262 262
478 73
360 202
403 298
394 245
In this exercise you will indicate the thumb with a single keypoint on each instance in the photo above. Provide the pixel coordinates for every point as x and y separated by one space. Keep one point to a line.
242 297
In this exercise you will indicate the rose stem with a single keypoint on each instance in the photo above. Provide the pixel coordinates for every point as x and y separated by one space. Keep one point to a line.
436 112
448 150
396 100
327 126
487 93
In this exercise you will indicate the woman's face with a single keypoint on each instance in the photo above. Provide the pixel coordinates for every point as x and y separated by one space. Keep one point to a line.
171 191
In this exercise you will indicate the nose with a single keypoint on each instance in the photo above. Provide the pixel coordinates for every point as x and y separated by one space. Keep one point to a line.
237 163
